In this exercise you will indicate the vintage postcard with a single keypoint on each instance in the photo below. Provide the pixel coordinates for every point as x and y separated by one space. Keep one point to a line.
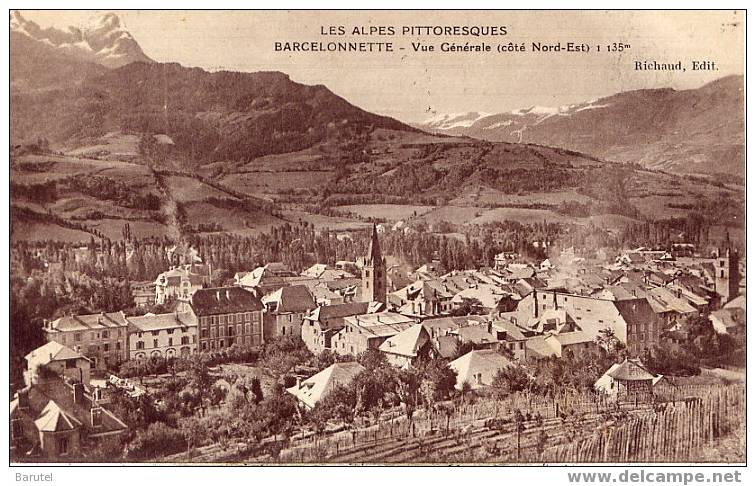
377 237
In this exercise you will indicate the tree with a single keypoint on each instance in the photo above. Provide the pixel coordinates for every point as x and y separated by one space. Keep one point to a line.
372 359
469 306
608 341
156 441
407 386
440 377
199 380
519 421
194 431
511 379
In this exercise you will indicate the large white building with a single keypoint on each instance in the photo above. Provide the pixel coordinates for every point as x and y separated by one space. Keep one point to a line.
162 335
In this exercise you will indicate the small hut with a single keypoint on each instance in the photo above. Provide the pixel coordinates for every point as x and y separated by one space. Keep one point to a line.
628 381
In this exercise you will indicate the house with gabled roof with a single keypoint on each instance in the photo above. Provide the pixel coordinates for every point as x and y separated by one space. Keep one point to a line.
100 337
57 416
729 320
368 331
227 316
312 390
162 335
321 323
407 347
479 367
54 358
671 309
423 298
285 309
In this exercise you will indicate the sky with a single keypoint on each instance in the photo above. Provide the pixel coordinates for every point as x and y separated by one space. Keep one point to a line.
415 86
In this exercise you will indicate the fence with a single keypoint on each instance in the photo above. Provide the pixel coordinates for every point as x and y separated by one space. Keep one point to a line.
572 427
677 433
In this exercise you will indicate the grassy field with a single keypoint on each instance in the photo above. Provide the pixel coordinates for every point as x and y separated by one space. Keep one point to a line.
232 220
113 145
35 231
264 182
391 212
189 189
485 196
113 228
322 222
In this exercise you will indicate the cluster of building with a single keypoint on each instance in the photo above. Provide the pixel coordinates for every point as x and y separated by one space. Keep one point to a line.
509 313
60 413
566 304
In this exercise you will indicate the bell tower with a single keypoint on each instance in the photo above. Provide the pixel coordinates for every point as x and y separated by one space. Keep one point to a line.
374 272
727 277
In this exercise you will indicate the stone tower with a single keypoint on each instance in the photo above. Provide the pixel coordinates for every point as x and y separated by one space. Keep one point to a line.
374 272
727 275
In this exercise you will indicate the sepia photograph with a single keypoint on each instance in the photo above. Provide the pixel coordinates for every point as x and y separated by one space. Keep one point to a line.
377 237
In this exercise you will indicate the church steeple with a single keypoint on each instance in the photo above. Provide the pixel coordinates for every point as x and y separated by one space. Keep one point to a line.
374 250
374 272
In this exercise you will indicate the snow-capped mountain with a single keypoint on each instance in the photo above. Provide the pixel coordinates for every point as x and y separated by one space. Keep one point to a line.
454 120
695 130
105 41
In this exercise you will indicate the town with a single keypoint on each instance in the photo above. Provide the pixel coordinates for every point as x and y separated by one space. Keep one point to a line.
365 360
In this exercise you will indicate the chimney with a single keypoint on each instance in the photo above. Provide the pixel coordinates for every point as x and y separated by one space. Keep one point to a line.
78 392
299 382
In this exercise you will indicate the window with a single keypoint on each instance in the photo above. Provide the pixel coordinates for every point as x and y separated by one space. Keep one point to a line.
155 333
154 343
221 343
118 345
204 346
204 334
247 316
70 363
106 347
170 331
92 336
170 341
184 339
230 330
105 334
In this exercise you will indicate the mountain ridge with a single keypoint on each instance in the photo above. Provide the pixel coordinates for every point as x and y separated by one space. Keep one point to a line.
104 42
687 131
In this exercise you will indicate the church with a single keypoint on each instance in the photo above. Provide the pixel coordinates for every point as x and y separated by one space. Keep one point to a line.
374 281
